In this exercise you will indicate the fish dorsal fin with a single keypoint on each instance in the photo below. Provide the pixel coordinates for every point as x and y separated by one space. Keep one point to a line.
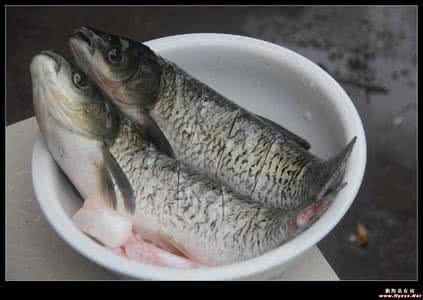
300 141
115 178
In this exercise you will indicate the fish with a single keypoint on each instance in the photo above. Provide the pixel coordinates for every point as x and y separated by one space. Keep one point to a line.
78 127
252 155
132 190
189 213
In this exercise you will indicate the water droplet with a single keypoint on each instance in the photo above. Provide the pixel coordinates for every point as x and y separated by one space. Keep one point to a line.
307 116
397 121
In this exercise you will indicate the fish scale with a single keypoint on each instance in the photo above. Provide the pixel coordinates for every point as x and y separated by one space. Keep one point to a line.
230 144
284 166
128 186
246 149
192 210
201 146
205 130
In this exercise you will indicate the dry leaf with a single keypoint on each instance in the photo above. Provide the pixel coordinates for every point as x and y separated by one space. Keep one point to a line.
362 236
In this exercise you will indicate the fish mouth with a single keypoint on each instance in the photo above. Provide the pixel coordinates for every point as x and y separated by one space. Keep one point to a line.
83 35
56 58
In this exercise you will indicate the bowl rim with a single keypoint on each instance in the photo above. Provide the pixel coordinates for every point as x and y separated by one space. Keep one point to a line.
354 175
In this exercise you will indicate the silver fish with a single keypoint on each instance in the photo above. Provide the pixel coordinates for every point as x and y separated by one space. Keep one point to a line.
77 126
165 202
206 131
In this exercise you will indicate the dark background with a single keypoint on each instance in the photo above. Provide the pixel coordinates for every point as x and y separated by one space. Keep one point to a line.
370 51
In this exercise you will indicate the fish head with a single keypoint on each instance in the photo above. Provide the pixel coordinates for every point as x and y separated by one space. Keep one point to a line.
78 126
127 71
63 93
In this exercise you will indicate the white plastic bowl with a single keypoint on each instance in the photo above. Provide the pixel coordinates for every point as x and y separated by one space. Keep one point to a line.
266 79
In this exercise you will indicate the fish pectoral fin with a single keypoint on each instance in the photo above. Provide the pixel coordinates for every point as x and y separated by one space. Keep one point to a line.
103 224
107 187
157 137
299 140
172 246
306 216
117 179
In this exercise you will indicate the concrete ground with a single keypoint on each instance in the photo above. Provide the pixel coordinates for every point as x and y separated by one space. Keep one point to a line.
370 51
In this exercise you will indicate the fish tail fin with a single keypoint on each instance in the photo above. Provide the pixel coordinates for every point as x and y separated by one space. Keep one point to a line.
331 172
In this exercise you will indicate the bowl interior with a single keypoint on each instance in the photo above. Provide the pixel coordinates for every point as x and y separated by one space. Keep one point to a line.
266 79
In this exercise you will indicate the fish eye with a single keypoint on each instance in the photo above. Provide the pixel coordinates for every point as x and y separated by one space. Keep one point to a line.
79 80
115 56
